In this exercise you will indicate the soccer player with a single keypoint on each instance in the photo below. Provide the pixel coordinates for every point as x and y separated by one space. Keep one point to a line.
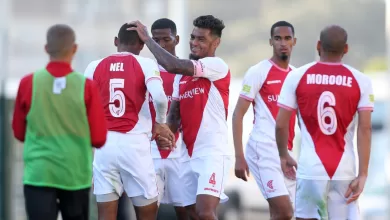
261 87
168 163
59 116
200 104
328 95
125 163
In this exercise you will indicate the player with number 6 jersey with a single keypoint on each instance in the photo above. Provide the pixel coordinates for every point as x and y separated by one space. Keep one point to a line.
124 79
330 98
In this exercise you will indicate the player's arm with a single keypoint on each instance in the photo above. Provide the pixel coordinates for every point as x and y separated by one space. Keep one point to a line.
174 118
171 63
21 108
365 107
287 102
155 87
250 86
95 114
238 115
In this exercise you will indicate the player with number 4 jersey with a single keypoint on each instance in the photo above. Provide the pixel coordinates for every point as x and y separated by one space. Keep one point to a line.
330 98
126 163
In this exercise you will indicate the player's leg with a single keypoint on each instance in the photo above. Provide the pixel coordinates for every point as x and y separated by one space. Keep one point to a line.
311 199
123 208
189 181
264 165
174 187
338 209
74 205
160 178
213 172
138 175
40 202
107 182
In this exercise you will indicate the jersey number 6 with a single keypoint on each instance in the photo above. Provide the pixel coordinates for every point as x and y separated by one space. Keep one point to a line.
117 98
326 116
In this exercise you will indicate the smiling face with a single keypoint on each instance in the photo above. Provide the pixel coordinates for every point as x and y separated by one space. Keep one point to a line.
283 41
202 43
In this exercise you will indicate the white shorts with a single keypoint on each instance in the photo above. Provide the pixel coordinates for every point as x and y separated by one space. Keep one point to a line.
264 164
125 163
324 199
205 176
169 182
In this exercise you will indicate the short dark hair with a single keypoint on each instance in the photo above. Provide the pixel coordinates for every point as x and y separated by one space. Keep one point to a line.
164 23
60 39
128 37
210 22
282 24
333 39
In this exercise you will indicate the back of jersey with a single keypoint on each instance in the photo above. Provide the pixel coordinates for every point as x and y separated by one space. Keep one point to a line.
328 96
121 81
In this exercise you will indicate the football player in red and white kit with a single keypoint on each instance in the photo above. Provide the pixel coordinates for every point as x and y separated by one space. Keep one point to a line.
330 98
168 164
200 105
125 164
261 87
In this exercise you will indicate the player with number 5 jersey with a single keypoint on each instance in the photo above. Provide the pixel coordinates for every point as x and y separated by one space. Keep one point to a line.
126 165
331 98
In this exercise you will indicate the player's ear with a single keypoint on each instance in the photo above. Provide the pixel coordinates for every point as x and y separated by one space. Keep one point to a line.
346 49
116 41
177 39
294 41
141 46
46 48
216 42
270 42
318 46
74 49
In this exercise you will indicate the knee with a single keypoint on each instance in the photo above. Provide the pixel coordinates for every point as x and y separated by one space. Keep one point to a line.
206 215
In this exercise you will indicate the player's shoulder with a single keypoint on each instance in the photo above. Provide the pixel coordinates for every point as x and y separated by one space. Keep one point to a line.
258 69
303 69
355 71
214 63
95 63
145 61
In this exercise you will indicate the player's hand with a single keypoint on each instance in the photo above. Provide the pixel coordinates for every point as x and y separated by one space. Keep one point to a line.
289 166
163 131
141 29
164 143
241 169
355 188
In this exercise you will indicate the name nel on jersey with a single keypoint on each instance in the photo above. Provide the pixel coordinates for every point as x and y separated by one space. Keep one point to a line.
322 79
116 67
191 93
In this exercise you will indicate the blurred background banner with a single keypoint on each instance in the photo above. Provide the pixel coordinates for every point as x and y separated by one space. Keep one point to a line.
245 41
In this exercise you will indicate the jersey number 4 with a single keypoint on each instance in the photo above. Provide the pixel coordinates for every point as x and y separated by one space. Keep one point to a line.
326 116
117 98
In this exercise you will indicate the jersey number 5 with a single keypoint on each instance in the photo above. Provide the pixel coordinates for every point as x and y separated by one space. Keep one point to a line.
117 98
326 116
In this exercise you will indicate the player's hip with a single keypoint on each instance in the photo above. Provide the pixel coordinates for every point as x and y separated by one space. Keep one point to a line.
316 170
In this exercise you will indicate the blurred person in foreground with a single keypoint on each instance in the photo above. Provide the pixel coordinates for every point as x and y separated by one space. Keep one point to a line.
261 87
200 105
125 163
59 117
168 164
330 97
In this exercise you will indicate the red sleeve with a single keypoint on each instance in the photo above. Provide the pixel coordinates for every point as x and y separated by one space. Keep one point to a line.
96 119
22 107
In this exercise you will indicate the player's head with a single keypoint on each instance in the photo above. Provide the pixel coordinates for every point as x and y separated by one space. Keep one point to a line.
282 39
165 34
333 41
128 41
205 36
61 42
